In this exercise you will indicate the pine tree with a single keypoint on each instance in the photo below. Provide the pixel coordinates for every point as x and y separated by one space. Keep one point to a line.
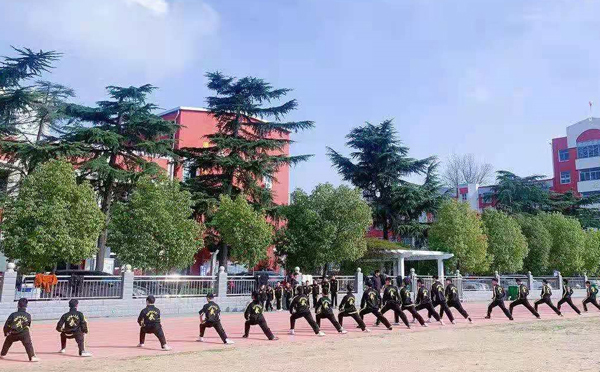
248 146
113 143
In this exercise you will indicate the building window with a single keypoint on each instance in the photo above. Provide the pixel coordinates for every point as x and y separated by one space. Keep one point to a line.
588 149
189 170
487 198
565 177
590 174
563 155
268 182
463 197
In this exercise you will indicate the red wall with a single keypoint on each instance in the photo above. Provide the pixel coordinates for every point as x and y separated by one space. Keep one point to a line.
569 165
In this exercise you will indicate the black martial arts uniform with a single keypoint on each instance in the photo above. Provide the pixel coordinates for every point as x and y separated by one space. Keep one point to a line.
424 302
324 310
211 313
16 329
348 309
254 316
522 300
300 308
566 297
438 298
453 300
546 299
407 305
370 303
72 325
149 321
498 295
592 291
278 297
391 301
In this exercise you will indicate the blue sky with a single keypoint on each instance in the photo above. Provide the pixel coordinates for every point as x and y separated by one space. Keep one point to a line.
496 78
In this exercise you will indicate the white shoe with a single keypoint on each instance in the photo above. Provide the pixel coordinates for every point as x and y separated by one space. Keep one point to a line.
140 345
470 321
62 351
343 331
441 322
414 320
425 325
34 359
367 330
85 354
427 321
396 324
200 339
453 321
229 342
292 332
166 348
321 334
375 324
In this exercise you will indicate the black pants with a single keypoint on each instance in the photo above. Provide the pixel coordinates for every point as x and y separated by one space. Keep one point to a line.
314 301
458 306
590 301
377 314
500 304
568 301
398 314
355 316
78 336
287 302
155 330
547 301
334 300
278 302
331 318
217 326
411 309
443 309
430 310
262 323
524 302
25 339
306 315
269 305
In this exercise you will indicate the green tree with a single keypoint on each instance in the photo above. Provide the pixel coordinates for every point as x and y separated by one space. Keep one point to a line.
248 147
591 261
459 230
539 242
113 144
568 243
52 220
378 167
154 229
246 232
507 247
327 226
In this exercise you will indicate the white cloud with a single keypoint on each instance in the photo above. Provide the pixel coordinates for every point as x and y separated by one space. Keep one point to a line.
153 36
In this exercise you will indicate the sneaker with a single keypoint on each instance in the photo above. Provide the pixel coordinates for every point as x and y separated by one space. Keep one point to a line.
343 331
140 345
414 320
454 321
85 354
396 324
376 325
560 314
200 339
427 321
274 338
229 342
425 325
34 359
62 351
390 328
166 348
470 321
442 322
488 317
367 330
292 332
321 334
511 318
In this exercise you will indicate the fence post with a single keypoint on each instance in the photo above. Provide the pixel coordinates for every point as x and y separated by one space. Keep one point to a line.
222 283
529 281
413 283
9 284
560 281
459 284
127 282
497 276
585 278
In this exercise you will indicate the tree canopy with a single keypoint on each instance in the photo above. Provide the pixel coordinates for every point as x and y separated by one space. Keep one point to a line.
539 242
507 247
465 169
568 243
154 228
52 220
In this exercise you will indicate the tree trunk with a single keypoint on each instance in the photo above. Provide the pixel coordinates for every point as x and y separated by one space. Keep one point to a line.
105 207
385 228
224 251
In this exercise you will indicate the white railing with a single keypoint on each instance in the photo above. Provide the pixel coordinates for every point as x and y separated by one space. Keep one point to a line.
241 285
553 281
68 287
343 281
476 283
173 285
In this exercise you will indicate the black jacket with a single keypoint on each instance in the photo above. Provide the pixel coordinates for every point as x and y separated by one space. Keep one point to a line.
348 304
437 292
452 293
405 297
211 312
567 291
333 285
324 306
270 294
254 311
17 323
391 294
523 292
299 304
278 292
149 316
315 290
498 293
423 296
370 299
546 291
72 322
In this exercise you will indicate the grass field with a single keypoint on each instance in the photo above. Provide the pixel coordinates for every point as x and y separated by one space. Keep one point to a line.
562 344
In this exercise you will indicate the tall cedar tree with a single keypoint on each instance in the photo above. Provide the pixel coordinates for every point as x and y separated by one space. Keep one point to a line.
247 148
378 166
113 144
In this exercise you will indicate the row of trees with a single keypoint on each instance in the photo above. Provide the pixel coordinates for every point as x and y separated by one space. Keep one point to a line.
497 241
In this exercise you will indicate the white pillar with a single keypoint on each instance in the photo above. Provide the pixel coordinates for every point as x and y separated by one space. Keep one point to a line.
440 264
394 268
400 265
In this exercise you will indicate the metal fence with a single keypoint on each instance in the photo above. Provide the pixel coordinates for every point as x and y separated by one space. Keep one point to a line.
553 281
476 283
576 282
173 286
68 287
511 280
241 285
343 281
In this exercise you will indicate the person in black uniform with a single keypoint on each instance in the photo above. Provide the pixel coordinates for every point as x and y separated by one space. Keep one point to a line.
453 300
300 308
407 304
210 317
149 321
262 295
307 289
546 298
315 289
592 291
370 304
278 295
424 301
522 300
566 297
391 301
73 325
438 298
288 294
498 295
348 309
16 329
324 310
270 296
254 316
333 288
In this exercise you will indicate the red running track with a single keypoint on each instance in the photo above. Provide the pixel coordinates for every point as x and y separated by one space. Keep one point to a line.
117 338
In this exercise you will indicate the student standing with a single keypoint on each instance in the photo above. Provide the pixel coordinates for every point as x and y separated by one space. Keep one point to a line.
453 300
288 294
210 317
73 325
149 321
270 296
324 310
439 298
278 296
391 301
424 301
498 295
522 300
592 291
333 287
254 316
315 292
407 304
16 329
348 309
546 298
300 308
566 297
370 304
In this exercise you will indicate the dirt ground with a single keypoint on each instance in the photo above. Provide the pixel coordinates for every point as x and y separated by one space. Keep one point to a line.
561 344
